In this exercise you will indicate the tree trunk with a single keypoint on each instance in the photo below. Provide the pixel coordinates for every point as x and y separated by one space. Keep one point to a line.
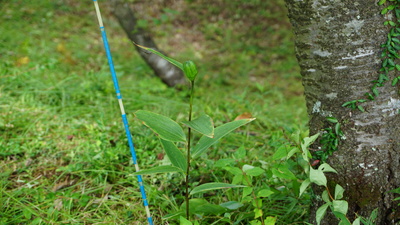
168 73
338 50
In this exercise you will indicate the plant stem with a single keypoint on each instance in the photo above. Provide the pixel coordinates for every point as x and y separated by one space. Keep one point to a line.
254 195
188 151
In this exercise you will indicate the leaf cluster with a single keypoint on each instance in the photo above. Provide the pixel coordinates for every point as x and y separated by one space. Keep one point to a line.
329 140
389 54
333 200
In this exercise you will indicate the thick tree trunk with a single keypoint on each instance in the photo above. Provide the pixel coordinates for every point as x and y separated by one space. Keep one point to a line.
168 73
338 50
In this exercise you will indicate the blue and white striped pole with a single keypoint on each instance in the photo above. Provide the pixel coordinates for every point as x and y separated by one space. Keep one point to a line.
121 106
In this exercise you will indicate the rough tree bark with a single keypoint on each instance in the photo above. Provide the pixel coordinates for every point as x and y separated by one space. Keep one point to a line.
168 73
338 50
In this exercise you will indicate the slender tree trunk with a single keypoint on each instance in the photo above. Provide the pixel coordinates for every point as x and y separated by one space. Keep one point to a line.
168 73
338 50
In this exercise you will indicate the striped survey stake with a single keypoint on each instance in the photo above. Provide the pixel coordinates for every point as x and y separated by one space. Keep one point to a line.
121 106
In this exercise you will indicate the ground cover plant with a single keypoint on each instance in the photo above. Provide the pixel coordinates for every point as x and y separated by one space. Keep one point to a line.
63 153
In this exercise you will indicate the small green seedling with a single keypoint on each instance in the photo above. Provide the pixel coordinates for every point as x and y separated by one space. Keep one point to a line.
171 133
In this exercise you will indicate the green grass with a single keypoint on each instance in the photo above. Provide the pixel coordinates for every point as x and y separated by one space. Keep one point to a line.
63 151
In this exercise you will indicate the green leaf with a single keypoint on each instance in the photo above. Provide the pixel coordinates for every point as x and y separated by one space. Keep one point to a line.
373 215
234 170
337 128
359 107
194 203
318 177
340 206
183 221
160 169
280 153
203 125
247 191
219 132
224 162
252 171
394 82
375 91
258 213
175 155
270 220
325 196
209 208
307 141
232 205
38 220
361 100
325 167
283 171
332 119
255 222
171 60
264 193
163 126
342 217
292 152
295 136
346 104
338 192
381 2
384 63
240 153
237 179
356 221
321 212
304 186
213 186
27 213
391 62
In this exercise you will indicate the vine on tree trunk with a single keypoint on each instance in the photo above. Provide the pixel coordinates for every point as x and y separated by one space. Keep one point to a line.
389 54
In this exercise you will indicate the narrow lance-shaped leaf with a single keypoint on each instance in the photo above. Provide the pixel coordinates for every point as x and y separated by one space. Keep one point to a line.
332 119
213 186
159 169
203 125
166 128
175 155
219 132
172 61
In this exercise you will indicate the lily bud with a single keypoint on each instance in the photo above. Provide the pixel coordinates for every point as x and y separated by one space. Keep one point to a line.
190 70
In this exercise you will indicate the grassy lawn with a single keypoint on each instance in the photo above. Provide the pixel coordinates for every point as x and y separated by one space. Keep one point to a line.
63 152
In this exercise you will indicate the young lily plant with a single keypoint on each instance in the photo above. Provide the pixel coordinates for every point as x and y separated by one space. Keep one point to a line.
171 133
